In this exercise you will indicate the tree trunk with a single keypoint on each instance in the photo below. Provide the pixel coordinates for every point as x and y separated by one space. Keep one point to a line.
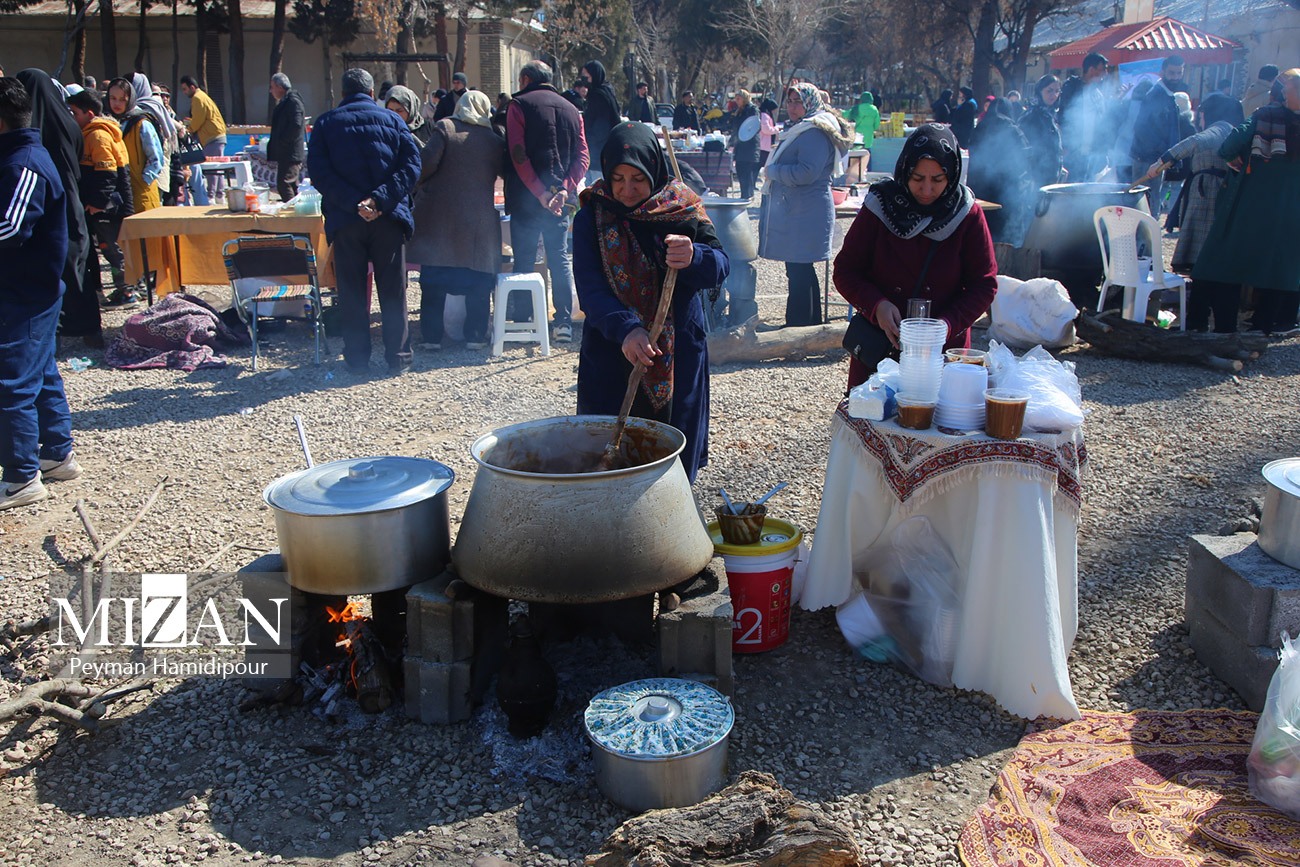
176 53
216 81
201 48
329 69
277 49
108 35
1020 62
142 37
440 42
237 112
462 37
403 42
79 54
982 62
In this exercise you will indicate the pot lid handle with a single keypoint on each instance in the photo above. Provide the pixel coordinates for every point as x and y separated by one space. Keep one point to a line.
361 472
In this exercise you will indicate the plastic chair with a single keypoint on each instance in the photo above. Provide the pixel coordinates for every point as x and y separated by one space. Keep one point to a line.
1119 261
520 332
274 276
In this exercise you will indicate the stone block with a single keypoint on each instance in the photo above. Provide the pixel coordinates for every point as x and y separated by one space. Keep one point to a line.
437 693
695 637
261 589
281 665
1254 594
1247 669
438 628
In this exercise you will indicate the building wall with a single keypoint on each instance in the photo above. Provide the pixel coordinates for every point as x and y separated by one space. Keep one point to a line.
495 51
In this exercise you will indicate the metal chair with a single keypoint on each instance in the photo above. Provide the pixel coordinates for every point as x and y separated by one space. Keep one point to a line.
274 276
1124 270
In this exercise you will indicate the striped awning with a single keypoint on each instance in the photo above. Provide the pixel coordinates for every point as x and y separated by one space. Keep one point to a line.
1146 40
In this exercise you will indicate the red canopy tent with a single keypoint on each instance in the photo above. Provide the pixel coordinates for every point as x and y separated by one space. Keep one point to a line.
1144 40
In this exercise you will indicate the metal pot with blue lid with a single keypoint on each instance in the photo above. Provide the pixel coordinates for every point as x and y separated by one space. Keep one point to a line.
363 525
660 742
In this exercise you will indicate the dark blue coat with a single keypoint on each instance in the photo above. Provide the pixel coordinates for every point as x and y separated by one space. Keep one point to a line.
359 151
602 368
33 225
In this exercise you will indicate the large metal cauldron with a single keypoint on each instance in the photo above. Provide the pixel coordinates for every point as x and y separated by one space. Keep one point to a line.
541 526
731 221
1063 230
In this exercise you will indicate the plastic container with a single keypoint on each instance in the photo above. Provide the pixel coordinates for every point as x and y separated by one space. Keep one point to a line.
963 384
759 576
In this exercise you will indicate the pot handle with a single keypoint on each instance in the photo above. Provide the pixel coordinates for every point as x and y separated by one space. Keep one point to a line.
1043 203
302 439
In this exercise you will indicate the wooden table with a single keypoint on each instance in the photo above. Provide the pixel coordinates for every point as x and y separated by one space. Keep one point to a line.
714 167
183 245
1008 512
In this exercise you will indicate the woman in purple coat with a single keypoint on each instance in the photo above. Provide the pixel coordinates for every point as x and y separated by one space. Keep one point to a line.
633 226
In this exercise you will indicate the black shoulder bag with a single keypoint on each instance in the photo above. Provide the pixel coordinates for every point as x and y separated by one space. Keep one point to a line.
865 340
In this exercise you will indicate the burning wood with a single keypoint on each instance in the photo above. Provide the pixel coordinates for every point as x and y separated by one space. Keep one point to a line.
368 674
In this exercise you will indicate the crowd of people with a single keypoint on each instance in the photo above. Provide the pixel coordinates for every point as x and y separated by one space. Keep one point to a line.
76 160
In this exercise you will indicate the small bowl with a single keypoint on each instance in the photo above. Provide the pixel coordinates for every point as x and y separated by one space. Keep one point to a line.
744 528
839 195
966 356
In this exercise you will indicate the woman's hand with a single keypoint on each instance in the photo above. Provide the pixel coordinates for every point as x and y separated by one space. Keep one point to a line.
638 349
888 318
681 250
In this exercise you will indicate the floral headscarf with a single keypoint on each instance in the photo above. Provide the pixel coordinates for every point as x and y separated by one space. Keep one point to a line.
892 200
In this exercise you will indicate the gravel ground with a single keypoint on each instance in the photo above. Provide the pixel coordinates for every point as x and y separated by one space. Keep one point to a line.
180 775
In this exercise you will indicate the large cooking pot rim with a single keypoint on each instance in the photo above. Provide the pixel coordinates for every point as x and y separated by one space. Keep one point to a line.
356 486
1091 188
486 442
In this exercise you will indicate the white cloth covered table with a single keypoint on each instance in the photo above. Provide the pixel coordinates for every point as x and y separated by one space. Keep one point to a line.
1008 511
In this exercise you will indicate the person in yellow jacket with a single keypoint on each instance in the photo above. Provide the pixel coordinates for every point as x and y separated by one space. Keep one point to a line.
207 125
143 146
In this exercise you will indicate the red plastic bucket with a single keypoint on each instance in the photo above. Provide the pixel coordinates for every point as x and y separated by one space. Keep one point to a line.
759 576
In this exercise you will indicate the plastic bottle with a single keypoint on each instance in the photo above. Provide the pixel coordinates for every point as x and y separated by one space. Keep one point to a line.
79 365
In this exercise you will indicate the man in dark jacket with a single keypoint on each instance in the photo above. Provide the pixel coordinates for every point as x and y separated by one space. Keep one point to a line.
963 117
447 105
1156 129
548 158
365 162
288 145
1082 109
35 423
578 94
686 115
639 107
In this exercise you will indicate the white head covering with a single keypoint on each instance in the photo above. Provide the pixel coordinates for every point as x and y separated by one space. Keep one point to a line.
474 107
145 100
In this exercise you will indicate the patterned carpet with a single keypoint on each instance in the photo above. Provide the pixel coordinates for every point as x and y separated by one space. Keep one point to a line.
1145 789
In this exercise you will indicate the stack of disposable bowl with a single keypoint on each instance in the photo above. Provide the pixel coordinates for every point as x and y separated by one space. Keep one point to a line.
921 357
961 396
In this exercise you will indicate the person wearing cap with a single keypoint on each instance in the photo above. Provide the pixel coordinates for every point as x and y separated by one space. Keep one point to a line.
447 105
640 107
365 162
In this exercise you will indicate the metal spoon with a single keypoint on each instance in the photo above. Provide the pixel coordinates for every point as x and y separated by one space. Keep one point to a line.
731 507
302 439
763 499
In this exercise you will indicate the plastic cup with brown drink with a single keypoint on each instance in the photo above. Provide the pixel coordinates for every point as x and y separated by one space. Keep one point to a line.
1004 411
915 413
966 356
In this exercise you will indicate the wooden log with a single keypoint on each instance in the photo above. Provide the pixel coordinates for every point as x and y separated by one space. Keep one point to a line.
746 343
753 822
1111 334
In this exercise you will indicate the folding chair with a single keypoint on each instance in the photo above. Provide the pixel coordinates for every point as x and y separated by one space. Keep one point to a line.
274 276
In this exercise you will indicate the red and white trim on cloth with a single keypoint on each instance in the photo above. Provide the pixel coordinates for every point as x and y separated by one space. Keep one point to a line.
920 464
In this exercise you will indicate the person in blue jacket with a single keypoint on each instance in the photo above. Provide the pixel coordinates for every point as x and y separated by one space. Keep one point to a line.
35 423
635 224
365 162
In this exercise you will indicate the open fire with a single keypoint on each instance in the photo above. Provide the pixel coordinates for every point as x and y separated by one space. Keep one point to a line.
367 670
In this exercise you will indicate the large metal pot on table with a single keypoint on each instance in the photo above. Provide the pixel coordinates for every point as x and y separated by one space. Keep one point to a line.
1279 522
1063 231
362 525
544 525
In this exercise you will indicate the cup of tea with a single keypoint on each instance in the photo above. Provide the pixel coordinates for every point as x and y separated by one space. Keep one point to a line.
915 413
918 308
966 356
1004 412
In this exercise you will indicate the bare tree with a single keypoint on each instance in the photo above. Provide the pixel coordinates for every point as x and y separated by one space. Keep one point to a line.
1017 22
784 29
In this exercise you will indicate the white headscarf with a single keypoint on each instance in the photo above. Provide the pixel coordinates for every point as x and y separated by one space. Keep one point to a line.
474 107
145 99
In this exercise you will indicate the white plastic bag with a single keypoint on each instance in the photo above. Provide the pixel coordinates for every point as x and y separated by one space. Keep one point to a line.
1274 763
1030 312
1055 399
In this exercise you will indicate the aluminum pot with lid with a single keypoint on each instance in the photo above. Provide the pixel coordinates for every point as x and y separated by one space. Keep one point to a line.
363 525
660 742
1279 523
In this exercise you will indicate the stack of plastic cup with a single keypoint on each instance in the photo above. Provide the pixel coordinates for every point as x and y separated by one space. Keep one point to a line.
921 357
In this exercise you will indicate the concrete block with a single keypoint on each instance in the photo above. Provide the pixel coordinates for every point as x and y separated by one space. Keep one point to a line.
1247 669
1255 595
281 665
437 693
695 638
438 628
261 589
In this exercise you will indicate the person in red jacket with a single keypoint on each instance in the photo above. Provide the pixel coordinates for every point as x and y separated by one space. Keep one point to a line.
924 214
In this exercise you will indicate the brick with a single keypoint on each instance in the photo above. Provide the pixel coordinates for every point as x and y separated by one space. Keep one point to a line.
439 629
437 693
1247 669
695 638
1255 595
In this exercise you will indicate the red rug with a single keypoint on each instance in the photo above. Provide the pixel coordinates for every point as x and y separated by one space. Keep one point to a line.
1146 789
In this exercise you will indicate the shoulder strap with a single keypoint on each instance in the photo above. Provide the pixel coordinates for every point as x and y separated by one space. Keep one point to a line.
925 269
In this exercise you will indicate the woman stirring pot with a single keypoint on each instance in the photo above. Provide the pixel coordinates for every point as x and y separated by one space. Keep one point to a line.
920 234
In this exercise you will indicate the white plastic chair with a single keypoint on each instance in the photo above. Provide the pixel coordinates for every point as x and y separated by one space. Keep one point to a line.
520 332
1119 261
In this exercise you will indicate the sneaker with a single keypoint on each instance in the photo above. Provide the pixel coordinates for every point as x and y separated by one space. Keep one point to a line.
1286 331
430 347
563 333
475 344
25 494
60 471
123 299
